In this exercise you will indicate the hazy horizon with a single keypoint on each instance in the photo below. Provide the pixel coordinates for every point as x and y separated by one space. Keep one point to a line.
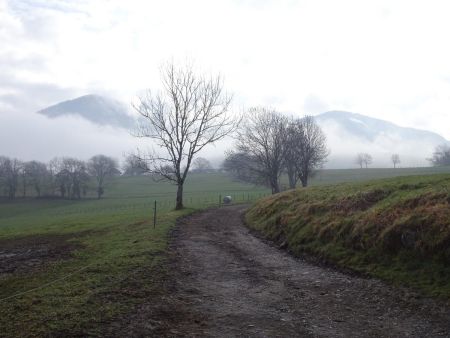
386 60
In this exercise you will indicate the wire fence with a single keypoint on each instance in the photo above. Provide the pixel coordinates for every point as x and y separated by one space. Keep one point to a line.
156 208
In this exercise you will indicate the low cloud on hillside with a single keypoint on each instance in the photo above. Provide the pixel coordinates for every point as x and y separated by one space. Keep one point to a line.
30 136
344 148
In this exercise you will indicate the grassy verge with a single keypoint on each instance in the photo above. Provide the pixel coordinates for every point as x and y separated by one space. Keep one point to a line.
396 229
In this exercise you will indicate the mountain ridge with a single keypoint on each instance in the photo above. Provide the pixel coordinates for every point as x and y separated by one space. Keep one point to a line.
350 133
97 109
367 121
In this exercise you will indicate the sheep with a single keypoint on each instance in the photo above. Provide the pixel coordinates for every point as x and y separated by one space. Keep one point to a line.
227 200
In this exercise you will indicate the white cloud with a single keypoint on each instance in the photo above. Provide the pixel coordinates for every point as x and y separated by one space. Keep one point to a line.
386 59
33 136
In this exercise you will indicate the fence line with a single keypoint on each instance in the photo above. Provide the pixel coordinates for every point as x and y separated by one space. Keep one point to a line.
246 197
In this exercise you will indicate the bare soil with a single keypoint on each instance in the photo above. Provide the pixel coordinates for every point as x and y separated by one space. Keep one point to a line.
32 253
222 281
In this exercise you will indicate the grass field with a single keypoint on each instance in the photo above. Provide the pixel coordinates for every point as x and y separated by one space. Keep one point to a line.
84 264
99 256
331 176
397 229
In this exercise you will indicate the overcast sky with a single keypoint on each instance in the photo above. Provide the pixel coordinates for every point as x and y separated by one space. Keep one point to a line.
386 59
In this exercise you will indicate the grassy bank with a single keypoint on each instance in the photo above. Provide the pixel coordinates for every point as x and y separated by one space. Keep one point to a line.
397 229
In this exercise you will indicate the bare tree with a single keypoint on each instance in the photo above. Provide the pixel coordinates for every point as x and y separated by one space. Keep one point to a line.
368 160
306 150
73 178
37 175
58 179
9 175
191 112
360 159
395 158
441 155
24 180
262 138
246 168
202 165
101 167
363 159
293 137
132 166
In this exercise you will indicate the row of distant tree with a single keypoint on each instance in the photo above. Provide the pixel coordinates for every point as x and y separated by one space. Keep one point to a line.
440 157
68 177
365 159
65 177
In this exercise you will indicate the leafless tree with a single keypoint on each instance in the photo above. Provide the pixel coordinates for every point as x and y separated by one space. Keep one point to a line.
293 136
363 159
261 138
191 112
57 180
132 166
246 168
202 165
395 158
37 175
441 155
9 175
306 150
73 178
100 167
24 180
367 160
360 159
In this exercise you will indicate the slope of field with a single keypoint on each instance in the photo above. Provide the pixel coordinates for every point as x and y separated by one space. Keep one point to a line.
331 176
73 268
397 229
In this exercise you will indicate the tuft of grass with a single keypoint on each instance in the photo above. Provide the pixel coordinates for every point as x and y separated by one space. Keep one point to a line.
397 229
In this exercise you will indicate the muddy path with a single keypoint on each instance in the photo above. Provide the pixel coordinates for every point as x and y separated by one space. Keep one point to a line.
225 282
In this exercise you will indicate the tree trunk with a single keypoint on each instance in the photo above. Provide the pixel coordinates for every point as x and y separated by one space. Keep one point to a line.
291 176
99 192
179 204
275 186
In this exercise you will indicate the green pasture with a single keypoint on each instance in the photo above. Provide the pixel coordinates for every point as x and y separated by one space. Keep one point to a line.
117 260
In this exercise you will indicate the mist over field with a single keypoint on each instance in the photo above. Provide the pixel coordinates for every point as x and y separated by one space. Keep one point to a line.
93 124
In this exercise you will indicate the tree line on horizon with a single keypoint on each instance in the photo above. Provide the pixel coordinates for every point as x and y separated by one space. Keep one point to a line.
440 157
63 177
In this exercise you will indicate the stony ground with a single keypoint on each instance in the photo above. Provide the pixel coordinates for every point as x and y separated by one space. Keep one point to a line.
224 282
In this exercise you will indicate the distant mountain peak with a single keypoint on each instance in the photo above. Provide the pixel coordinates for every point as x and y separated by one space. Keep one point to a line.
349 133
370 127
94 108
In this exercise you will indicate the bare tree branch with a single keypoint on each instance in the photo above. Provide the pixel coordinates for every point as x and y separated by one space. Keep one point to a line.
190 112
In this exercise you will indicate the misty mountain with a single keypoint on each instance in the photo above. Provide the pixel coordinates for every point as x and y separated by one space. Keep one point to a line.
94 108
349 133
370 129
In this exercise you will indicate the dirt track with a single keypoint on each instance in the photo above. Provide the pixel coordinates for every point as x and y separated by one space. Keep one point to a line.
226 282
